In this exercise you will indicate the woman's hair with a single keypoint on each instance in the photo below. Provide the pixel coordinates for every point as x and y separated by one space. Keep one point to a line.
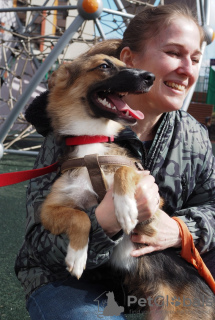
149 22
144 26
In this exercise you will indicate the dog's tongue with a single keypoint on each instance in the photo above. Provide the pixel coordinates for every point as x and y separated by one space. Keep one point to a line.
123 107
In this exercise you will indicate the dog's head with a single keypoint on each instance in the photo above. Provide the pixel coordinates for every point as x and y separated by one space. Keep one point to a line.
86 95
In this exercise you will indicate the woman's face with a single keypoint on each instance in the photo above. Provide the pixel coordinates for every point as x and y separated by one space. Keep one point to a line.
173 56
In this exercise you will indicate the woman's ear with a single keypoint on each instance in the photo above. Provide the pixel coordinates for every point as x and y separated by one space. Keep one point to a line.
126 56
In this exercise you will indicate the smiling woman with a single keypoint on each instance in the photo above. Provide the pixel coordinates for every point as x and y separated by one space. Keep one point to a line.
172 55
176 154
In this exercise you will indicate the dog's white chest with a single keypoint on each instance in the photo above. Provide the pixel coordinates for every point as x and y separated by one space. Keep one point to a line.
78 187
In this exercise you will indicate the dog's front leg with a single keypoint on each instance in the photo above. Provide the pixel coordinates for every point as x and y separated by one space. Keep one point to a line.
76 224
125 183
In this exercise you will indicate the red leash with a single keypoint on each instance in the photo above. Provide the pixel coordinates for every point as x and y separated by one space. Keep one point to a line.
9 178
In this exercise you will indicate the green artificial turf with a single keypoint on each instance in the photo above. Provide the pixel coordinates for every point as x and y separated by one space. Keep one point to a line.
12 226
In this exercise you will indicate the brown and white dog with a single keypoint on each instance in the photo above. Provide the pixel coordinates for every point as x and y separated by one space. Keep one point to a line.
86 99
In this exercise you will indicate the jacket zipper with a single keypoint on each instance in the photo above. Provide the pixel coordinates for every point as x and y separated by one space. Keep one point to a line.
144 158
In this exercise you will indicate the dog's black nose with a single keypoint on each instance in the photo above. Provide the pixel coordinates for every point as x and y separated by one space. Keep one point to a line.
149 77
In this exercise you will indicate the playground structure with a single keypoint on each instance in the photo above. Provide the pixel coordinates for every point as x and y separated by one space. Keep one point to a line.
27 58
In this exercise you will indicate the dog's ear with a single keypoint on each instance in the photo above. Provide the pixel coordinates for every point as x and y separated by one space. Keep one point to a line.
51 80
64 76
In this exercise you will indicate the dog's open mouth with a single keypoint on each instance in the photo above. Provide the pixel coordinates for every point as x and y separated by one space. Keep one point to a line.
113 102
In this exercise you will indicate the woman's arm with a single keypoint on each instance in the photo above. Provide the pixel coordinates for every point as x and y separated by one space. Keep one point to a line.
198 194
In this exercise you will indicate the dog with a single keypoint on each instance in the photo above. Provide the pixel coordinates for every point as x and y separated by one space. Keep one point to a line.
86 99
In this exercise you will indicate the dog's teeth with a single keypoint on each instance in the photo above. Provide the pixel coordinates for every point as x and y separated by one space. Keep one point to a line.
127 113
105 103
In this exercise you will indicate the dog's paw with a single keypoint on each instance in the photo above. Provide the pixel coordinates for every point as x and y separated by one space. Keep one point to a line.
126 212
76 261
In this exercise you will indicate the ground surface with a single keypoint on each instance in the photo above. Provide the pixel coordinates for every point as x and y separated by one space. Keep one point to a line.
12 217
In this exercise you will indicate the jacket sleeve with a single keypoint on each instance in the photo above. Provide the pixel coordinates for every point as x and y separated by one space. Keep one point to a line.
198 210
48 249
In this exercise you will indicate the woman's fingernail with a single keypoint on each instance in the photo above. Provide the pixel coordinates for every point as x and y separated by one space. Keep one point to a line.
134 253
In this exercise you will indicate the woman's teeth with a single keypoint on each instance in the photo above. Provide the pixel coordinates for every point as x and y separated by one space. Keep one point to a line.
175 85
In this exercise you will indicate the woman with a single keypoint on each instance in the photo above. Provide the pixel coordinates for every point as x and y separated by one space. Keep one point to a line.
173 147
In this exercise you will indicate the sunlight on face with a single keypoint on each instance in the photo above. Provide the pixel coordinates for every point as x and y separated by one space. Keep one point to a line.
173 56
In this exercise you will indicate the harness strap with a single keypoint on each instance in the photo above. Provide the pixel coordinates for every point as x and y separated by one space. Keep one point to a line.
102 160
96 175
10 178
191 254
93 163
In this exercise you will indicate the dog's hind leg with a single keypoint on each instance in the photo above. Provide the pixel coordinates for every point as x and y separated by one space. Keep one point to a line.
76 224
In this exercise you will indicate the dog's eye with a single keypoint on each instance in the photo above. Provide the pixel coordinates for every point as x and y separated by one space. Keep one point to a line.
104 66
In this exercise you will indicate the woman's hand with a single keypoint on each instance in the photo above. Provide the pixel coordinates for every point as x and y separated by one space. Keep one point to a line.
167 235
147 198
105 214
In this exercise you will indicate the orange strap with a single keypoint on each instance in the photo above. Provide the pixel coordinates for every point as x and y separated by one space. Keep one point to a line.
191 254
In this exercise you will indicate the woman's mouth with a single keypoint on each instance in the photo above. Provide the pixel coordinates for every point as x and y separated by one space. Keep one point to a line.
174 85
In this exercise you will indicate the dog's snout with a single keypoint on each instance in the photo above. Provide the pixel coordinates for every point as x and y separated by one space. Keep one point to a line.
149 77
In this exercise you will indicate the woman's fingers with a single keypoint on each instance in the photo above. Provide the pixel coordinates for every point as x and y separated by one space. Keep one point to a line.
147 197
142 251
167 235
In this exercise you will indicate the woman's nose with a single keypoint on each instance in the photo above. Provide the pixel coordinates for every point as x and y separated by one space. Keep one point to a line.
186 67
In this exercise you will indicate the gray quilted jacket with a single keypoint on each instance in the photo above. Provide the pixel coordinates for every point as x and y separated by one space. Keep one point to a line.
181 160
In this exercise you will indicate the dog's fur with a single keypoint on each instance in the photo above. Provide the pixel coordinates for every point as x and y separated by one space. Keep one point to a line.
74 110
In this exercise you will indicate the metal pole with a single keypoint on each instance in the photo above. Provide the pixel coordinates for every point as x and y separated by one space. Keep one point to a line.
207 11
98 25
119 13
205 20
25 153
202 12
35 18
40 74
121 8
192 89
40 8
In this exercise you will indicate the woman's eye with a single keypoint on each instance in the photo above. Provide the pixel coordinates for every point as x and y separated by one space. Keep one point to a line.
173 53
195 60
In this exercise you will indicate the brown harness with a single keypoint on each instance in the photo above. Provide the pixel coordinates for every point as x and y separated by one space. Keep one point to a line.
93 163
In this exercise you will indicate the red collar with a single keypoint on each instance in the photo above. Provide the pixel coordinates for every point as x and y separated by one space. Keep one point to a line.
75 141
